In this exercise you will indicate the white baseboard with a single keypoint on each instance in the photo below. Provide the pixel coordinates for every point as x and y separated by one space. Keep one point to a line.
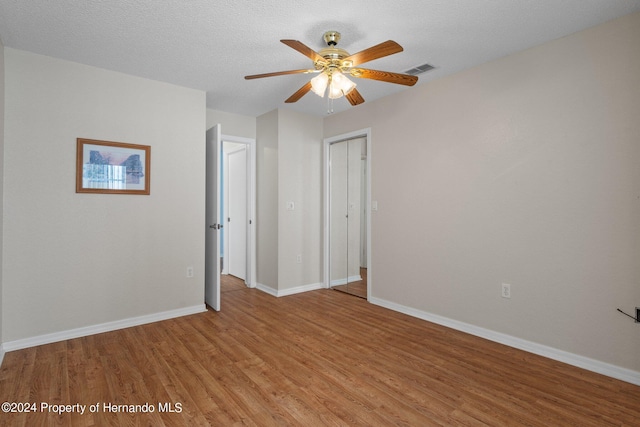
1 353
98 329
300 289
593 365
267 289
289 291
343 281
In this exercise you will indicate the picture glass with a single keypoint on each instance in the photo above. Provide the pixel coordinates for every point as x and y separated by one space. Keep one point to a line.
112 167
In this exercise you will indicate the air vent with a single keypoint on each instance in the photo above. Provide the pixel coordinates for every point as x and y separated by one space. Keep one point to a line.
419 69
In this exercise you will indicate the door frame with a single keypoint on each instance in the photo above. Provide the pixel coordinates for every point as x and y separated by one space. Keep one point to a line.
326 166
250 280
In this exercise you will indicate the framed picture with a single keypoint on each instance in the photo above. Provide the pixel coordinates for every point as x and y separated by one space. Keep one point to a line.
112 167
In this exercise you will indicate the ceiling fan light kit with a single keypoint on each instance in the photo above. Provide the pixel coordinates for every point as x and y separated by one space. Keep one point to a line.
333 63
319 84
339 85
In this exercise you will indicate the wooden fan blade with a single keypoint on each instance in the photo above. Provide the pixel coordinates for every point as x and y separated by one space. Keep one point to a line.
384 76
303 49
299 93
279 73
378 51
354 97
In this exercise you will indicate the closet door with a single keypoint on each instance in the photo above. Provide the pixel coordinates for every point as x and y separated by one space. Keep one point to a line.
347 178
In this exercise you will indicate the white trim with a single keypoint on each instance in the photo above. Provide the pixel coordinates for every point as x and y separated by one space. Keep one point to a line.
290 291
103 327
343 281
267 289
362 133
1 353
593 365
300 289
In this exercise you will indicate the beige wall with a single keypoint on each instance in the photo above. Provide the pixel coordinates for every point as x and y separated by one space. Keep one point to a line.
1 185
267 195
289 162
76 260
299 181
523 171
232 124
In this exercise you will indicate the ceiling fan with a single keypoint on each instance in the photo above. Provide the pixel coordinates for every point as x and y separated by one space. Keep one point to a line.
334 64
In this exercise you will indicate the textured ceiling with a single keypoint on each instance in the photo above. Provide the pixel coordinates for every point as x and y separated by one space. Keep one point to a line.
211 45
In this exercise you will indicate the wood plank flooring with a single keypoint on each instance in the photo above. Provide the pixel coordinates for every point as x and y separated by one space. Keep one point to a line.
313 359
357 288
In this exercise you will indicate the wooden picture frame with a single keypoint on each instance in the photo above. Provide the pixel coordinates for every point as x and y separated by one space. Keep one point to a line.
107 167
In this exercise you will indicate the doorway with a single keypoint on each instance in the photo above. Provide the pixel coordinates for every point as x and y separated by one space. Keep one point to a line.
237 209
215 216
347 166
234 209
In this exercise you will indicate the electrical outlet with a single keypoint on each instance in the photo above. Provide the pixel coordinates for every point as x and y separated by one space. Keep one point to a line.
189 272
506 290
299 259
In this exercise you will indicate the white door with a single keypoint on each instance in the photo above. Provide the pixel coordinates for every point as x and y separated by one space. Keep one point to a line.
212 216
237 220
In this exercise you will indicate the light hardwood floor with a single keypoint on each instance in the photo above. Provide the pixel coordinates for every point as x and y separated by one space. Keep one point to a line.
313 359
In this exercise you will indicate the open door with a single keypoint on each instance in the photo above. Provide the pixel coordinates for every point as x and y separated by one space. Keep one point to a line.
212 215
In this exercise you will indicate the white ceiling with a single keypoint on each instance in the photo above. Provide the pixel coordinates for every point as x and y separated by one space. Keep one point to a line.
211 45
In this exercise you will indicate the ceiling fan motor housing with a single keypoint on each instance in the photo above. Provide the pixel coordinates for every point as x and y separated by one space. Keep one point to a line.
334 56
